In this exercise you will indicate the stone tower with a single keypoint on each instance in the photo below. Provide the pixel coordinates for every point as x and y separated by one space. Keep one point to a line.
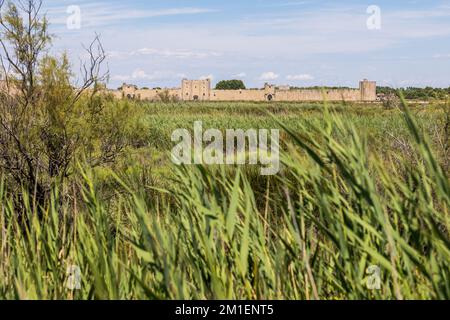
269 91
195 90
368 90
129 91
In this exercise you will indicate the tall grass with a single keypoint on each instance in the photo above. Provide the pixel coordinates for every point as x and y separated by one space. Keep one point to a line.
309 233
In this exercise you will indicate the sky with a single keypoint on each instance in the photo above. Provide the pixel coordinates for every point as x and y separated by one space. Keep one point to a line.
297 42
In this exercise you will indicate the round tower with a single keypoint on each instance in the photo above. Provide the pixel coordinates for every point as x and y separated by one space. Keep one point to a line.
368 90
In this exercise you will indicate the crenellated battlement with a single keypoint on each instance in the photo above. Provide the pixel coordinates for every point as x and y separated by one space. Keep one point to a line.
200 90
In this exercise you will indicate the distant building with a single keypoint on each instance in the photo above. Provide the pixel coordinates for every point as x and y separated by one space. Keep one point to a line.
200 90
194 90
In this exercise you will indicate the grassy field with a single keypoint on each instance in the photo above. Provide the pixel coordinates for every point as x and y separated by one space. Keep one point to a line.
360 187
384 130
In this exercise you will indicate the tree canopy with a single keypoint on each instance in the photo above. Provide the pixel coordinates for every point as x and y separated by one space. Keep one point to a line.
412 93
230 85
49 118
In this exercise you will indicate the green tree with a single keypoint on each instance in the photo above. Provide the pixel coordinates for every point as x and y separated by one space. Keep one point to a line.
165 97
230 85
47 120
412 93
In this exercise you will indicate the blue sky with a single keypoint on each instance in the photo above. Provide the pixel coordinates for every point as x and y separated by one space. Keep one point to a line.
298 42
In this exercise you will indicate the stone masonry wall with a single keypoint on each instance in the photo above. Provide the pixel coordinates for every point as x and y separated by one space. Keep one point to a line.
200 90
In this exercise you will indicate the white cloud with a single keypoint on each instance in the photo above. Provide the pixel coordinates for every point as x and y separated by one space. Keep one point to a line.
177 53
268 76
120 78
166 53
137 74
300 77
289 4
240 75
141 75
98 14
210 77
441 56
278 40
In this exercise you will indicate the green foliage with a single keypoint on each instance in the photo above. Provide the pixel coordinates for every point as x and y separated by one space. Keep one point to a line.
86 185
423 94
311 233
47 122
230 85
165 96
